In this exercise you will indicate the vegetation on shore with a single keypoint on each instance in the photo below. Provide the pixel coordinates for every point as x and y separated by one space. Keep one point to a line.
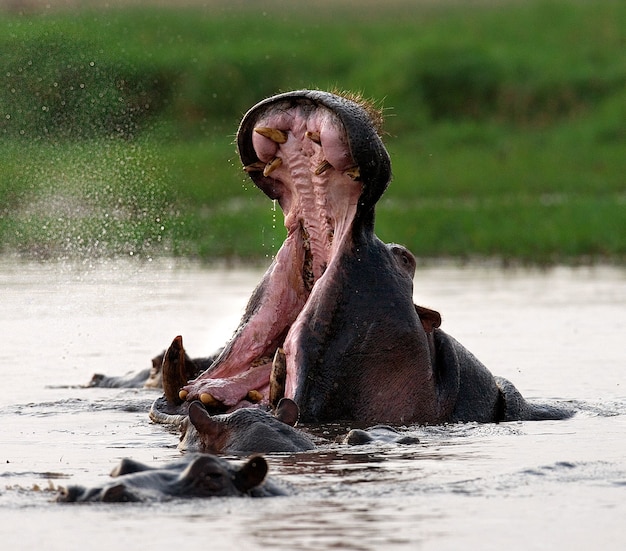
505 124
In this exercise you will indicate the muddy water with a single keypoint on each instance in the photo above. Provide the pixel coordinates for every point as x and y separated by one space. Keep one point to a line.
558 334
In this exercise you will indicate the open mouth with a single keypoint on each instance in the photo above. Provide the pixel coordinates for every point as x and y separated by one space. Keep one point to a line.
320 157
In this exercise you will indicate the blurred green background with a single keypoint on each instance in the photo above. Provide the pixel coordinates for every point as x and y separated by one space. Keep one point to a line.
505 121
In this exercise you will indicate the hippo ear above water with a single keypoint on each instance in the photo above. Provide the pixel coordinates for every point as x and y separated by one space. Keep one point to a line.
251 474
203 422
127 466
429 318
287 411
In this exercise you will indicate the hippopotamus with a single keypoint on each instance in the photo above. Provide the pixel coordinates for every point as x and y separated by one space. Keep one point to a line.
381 434
332 325
244 431
196 475
132 379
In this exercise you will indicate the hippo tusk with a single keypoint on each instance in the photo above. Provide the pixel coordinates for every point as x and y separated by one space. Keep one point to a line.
208 400
278 377
322 167
254 396
183 394
255 167
314 137
354 173
278 136
272 166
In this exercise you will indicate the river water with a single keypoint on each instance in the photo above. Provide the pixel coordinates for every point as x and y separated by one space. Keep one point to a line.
557 334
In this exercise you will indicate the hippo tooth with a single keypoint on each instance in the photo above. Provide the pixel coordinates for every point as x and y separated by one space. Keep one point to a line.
322 167
255 167
278 376
182 394
272 166
313 136
208 400
278 136
254 396
353 172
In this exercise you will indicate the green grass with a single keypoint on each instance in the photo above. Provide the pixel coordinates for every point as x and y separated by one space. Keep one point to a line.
505 123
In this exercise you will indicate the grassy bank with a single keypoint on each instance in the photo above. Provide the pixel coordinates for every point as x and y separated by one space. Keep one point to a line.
505 125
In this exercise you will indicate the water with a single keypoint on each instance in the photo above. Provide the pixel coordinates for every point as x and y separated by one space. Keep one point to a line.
557 334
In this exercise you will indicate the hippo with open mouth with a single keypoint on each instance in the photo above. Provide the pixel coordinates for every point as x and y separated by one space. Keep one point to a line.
332 325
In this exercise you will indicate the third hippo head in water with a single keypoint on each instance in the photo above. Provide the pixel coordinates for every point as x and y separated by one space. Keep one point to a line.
332 324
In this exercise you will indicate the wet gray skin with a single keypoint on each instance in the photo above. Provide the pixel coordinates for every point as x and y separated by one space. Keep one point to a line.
135 379
381 434
245 431
196 475
153 377
334 312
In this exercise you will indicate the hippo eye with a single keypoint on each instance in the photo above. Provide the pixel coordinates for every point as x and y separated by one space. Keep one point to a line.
213 476
214 480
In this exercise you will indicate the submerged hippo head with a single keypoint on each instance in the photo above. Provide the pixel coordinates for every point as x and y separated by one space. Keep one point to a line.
244 431
332 325
197 475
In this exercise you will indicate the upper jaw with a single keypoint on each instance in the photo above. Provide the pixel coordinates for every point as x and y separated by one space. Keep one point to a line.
367 161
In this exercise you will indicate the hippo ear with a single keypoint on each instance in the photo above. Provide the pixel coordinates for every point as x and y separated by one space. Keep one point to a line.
429 318
287 411
203 422
127 466
157 361
251 474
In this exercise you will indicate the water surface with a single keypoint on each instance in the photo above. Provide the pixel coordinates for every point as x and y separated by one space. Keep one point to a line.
557 334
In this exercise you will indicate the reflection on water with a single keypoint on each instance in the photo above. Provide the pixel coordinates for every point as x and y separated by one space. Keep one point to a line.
557 334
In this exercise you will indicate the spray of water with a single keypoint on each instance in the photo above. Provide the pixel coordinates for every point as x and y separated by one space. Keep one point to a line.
92 202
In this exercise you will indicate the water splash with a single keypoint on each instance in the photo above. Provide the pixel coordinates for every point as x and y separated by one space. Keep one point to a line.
83 201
